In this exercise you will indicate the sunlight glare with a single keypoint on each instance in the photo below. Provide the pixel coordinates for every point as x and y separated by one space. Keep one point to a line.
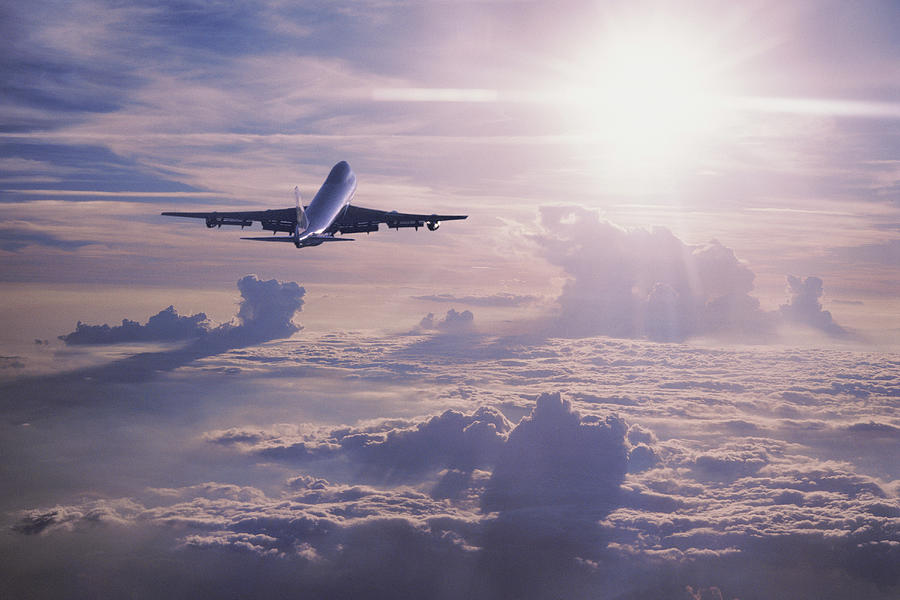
649 94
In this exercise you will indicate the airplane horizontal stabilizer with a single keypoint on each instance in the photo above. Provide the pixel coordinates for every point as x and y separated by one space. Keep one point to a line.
310 241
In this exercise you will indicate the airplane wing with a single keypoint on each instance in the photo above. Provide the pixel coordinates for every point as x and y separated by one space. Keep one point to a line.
356 219
282 219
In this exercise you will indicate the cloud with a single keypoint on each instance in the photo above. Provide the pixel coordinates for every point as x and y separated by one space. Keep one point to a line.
166 325
559 514
267 308
634 283
494 300
388 451
648 283
265 313
19 234
884 253
338 541
11 362
554 458
804 307
453 322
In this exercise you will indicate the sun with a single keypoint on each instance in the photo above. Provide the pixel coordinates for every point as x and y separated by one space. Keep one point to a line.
648 94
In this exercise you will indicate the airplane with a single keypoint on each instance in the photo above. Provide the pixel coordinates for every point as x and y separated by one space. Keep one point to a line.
330 212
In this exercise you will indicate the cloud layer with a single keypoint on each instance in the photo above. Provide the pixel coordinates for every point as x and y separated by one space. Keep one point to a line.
652 467
554 511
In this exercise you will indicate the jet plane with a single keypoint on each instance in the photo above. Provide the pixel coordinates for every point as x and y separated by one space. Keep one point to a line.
329 213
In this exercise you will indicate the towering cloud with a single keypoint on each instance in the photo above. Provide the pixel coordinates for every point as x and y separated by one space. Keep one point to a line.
265 313
805 308
554 458
640 283
267 307
453 322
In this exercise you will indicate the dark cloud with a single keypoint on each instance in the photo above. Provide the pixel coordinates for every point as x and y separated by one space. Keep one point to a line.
15 236
12 362
557 476
553 458
83 168
875 429
165 326
804 306
390 451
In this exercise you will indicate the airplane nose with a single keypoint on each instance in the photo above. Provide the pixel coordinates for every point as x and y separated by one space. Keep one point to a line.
339 173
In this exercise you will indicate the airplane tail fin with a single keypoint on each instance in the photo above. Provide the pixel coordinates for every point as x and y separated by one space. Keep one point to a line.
302 221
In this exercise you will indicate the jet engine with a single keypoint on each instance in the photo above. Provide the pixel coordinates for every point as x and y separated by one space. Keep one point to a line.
433 225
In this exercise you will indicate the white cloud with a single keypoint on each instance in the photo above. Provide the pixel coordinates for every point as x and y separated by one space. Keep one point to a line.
648 283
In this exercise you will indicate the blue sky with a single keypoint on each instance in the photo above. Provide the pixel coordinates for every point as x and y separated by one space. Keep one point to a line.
683 219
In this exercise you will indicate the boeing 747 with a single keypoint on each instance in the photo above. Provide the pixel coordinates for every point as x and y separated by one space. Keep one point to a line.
329 213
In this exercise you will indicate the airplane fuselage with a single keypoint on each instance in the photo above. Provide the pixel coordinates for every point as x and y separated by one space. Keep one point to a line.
328 203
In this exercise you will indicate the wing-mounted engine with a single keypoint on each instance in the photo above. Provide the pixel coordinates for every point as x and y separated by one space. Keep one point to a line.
433 225
216 221
359 228
400 220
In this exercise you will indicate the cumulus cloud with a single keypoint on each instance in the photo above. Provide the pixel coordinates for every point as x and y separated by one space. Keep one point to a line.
323 529
166 325
648 283
265 312
554 458
268 307
388 451
558 474
805 308
452 322
634 283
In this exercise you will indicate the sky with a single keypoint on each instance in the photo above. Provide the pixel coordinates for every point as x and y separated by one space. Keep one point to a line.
659 359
